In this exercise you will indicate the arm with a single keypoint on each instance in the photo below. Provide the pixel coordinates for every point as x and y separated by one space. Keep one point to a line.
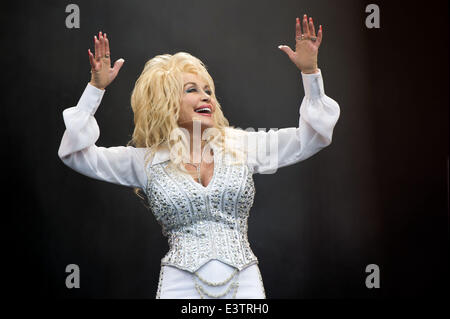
268 151
119 165
318 113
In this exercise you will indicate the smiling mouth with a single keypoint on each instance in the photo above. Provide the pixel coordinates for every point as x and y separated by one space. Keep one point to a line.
205 111
205 114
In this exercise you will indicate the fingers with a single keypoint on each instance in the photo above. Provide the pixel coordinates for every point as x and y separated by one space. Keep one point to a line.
319 35
97 48
117 65
312 31
305 25
298 31
91 59
102 44
308 29
287 50
107 52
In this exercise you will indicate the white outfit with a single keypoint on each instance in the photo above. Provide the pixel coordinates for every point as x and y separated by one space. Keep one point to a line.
206 226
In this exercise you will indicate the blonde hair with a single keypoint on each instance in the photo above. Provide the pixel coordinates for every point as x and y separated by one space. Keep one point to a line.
156 100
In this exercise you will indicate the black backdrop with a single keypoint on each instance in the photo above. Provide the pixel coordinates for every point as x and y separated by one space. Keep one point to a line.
377 195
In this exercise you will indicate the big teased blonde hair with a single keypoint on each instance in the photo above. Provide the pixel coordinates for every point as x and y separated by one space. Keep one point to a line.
156 101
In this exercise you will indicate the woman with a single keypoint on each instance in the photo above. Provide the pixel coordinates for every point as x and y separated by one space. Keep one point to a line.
193 168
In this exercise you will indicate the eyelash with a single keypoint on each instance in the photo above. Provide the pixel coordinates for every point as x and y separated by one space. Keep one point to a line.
208 91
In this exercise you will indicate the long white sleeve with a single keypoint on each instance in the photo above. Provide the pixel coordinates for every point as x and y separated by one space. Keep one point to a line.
119 165
268 151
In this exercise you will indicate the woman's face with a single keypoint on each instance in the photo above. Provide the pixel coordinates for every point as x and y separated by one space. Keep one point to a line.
196 103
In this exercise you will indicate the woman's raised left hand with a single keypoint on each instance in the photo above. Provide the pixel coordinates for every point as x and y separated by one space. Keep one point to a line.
306 46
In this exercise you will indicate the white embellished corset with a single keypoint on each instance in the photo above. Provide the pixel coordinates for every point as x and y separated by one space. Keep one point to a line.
203 223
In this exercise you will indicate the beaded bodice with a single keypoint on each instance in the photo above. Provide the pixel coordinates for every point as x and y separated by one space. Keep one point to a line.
203 223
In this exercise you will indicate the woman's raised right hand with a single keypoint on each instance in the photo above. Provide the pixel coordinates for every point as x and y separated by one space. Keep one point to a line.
101 72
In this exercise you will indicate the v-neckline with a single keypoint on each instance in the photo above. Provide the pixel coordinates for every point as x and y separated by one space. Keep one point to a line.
213 176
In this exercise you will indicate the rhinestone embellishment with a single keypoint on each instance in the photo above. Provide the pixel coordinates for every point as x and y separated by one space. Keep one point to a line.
203 223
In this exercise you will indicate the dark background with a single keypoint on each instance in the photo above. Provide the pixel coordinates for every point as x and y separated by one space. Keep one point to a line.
378 194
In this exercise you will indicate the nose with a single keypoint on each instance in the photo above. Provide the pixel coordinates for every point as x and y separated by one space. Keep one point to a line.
206 96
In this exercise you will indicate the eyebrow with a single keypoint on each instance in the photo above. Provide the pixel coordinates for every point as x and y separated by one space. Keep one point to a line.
207 85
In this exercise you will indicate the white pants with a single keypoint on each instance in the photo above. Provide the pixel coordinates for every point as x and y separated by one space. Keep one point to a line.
175 283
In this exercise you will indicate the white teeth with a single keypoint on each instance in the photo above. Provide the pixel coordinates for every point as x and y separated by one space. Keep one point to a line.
203 109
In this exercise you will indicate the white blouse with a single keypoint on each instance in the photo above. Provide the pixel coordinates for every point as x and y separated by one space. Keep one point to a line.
124 165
